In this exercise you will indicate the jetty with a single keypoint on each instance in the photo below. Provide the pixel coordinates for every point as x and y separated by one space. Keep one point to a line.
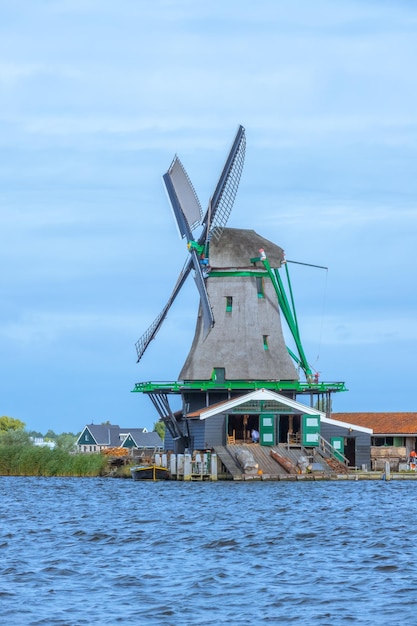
252 462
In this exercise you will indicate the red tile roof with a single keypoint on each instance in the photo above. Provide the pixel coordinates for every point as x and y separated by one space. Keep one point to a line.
382 423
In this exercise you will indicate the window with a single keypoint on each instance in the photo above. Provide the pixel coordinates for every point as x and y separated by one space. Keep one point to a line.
265 341
219 375
229 304
260 287
384 441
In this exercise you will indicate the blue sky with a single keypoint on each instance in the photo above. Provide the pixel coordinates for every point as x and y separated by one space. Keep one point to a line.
97 97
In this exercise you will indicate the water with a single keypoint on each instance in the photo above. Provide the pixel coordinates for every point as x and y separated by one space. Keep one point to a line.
106 552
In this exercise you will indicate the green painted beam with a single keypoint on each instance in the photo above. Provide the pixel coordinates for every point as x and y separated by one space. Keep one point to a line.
223 274
236 385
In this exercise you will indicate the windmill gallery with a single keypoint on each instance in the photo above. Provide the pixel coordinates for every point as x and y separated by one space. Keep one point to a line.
240 376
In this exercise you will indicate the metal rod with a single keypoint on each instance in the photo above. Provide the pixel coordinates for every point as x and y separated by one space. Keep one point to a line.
321 267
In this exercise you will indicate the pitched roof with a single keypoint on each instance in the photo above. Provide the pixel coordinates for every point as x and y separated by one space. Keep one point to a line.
258 394
103 434
113 436
266 394
143 439
382 423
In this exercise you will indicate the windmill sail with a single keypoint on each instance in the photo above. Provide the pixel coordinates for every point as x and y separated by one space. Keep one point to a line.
185 203
188 215
150 333
224 195
183 198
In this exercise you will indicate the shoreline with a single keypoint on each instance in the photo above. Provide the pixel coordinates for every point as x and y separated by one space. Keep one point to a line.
357 476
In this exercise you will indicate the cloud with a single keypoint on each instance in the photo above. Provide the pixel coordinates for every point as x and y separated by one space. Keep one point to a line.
96 100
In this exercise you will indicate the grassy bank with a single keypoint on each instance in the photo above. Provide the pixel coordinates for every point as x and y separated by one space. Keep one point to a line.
29 460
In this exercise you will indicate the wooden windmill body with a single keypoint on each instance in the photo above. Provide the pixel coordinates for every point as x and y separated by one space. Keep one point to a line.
246 341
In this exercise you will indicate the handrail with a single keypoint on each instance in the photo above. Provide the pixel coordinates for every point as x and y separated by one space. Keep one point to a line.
327 447
307 453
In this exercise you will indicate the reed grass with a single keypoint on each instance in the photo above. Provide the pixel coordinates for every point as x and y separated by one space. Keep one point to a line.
30 460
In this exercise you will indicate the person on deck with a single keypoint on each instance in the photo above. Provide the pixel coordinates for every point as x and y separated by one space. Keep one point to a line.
255 436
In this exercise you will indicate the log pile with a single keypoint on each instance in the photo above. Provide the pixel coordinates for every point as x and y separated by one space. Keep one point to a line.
337 466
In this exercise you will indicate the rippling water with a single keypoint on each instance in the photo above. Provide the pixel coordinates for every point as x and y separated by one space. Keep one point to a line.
105 551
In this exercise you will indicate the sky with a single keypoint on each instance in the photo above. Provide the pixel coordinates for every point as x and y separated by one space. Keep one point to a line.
96 98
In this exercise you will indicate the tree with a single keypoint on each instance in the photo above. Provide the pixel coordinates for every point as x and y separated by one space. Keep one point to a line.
66 441
35 434
19 437
10 423
159 427
50 435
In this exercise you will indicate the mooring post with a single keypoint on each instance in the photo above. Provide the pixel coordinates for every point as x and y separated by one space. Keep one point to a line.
213 468
173 465
187 466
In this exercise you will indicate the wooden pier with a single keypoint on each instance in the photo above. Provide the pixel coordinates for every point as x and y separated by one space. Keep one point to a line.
222 464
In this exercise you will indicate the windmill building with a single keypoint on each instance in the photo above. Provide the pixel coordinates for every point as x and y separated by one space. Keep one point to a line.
239 374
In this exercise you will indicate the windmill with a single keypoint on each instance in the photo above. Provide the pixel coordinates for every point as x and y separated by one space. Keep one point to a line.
238 342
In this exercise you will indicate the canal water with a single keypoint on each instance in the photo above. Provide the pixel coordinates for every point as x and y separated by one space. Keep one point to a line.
107 552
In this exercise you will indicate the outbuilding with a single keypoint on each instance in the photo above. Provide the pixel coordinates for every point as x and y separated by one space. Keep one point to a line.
278 419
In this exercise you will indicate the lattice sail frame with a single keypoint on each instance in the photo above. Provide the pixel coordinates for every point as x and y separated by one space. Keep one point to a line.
222 201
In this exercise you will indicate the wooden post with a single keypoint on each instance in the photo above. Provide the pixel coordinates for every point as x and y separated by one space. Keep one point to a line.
180 466
387 471
173 465
187 467
213 468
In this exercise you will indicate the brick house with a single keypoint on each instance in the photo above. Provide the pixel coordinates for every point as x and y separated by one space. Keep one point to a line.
393 439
